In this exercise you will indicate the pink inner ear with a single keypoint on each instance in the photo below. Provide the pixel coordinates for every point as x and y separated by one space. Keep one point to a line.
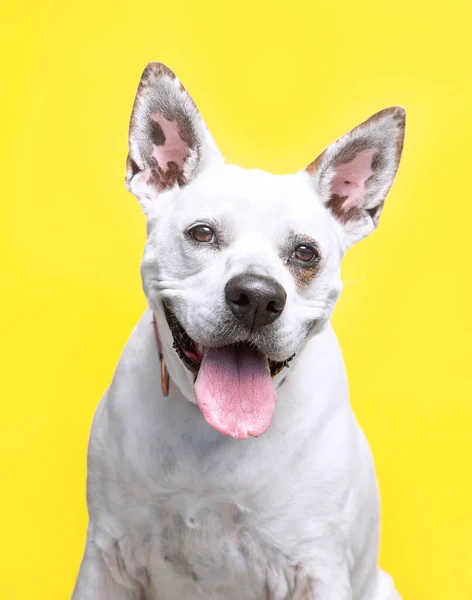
350 178
173 149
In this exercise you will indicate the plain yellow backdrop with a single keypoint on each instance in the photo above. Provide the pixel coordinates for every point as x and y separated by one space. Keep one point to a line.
276 82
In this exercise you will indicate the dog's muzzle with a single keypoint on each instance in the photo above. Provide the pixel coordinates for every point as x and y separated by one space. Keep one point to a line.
233 382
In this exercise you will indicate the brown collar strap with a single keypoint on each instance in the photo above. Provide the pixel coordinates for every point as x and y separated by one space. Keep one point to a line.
165 380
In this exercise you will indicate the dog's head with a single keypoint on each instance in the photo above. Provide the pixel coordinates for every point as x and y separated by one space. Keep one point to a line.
245 264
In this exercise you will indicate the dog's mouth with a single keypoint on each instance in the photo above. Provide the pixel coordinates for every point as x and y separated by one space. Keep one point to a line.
191 354
233 385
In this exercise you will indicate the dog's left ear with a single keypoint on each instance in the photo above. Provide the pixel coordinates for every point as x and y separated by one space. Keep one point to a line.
354 175
169 144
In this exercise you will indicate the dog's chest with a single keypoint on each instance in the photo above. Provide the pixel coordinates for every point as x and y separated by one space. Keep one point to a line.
207 548
211 519
204 530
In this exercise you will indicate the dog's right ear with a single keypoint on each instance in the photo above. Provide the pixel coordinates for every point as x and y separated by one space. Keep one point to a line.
169 144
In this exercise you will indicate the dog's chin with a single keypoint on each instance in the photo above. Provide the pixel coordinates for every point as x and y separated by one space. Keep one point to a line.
191 353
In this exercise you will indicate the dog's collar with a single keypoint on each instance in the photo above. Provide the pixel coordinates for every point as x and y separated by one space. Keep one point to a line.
165 379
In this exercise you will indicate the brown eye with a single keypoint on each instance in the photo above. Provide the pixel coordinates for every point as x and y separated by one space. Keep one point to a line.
202 233
305 253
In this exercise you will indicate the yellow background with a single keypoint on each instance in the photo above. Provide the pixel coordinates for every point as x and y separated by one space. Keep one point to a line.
276 82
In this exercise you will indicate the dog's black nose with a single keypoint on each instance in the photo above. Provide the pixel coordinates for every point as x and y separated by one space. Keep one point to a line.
255 300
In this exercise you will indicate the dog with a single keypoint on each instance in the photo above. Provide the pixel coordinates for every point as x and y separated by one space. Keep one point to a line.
224 460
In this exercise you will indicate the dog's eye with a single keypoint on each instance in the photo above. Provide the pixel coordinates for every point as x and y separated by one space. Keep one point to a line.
201 233
305 253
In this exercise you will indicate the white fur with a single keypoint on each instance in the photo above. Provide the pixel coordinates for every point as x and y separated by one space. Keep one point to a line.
179 511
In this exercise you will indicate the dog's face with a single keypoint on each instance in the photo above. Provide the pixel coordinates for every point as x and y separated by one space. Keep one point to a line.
245 264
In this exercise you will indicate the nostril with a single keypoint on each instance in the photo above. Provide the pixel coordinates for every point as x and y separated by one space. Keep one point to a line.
273 308
243 300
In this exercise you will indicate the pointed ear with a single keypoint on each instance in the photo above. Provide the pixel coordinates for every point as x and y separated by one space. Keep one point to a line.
169 143
354 175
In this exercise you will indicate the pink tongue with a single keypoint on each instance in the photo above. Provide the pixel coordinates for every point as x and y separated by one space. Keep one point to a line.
235 392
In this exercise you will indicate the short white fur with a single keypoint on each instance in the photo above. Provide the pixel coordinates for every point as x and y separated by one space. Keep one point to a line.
178 511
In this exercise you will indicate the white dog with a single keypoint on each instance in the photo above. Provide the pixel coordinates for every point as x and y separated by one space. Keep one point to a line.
247 476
